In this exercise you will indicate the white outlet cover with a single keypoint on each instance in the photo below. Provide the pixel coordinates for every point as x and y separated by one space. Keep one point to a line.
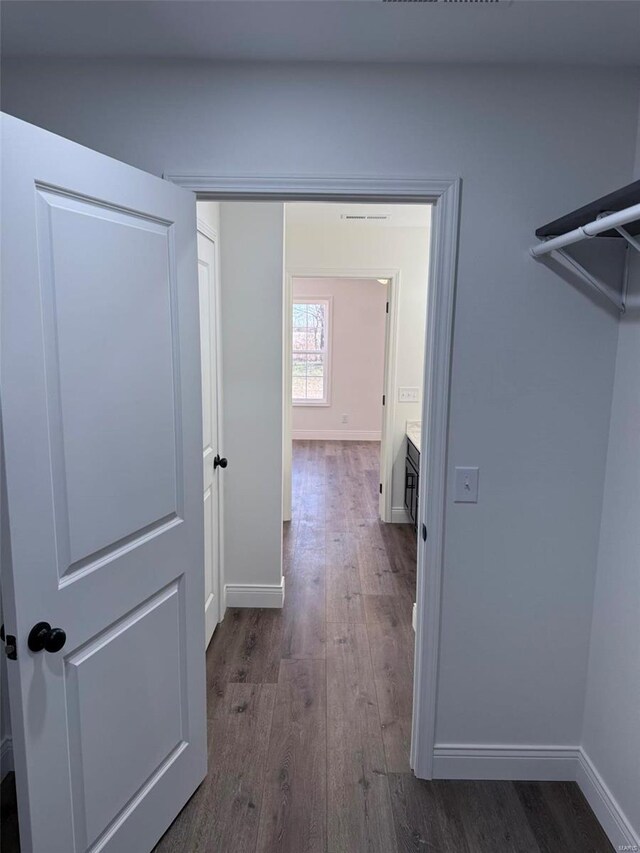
466 485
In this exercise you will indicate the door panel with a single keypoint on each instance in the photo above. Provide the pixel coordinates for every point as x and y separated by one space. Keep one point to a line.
209 585
116 437
207 284
143 727
102 429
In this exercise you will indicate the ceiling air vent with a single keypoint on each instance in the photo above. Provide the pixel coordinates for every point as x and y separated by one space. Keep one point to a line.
446 1
369 217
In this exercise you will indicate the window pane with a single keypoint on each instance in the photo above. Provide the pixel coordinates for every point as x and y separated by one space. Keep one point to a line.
299 316
299 388
317 322
315 367
309 326
309 343
299 340
299 364
315 388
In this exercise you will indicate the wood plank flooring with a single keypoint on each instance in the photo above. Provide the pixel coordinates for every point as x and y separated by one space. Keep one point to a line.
338 660
309 707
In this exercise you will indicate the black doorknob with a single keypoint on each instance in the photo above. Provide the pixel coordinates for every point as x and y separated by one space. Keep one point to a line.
43 636
219 461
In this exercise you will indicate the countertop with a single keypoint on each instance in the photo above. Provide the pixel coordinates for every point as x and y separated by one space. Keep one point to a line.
414 433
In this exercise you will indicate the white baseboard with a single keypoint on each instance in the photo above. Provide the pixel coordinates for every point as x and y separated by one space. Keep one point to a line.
533 763
254 595
337 434
6 757
399 515
605 806
539 764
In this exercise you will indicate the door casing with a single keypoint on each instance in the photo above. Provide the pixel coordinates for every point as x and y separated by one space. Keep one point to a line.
444 195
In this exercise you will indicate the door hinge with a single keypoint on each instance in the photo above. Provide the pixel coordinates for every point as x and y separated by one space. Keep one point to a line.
424 532
387 307
384 397
380 488
10 645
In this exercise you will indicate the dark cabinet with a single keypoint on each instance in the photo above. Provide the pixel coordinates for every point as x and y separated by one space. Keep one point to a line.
411 479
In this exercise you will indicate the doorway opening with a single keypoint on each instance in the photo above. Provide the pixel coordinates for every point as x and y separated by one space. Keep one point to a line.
356 280
366 265
250 414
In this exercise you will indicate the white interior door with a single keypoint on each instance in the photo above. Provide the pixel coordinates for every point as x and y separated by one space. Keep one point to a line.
387 432
207 283
101 403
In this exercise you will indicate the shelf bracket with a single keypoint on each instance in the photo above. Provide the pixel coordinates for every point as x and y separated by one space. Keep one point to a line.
632 241
565 259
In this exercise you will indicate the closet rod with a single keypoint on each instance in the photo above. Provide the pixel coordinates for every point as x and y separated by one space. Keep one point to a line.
591 229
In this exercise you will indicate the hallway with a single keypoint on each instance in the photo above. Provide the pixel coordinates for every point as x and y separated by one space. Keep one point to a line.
310 707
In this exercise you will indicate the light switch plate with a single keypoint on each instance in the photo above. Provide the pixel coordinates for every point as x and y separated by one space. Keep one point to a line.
466 485
408 395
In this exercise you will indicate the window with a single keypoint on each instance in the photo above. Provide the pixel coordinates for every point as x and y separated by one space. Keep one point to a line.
311 319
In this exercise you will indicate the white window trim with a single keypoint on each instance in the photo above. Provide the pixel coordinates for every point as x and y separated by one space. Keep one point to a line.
328 301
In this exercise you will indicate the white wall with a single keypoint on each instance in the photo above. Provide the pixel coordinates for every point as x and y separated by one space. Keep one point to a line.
251 255
533 359
378 247
611 736
356 359
251 300
209 213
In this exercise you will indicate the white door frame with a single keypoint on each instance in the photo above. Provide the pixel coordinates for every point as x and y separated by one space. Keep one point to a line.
211 234
444 195
390 379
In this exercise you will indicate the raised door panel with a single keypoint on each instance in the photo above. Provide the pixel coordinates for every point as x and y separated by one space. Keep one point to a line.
144 723
204 288
209 534
111 384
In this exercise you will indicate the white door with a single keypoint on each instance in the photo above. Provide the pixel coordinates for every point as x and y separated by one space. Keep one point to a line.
386 437
207 283
101 405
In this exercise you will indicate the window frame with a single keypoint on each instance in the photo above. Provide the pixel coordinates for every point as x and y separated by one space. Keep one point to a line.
328 302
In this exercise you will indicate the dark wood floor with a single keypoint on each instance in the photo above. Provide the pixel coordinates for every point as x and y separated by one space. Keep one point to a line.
9 833
309 707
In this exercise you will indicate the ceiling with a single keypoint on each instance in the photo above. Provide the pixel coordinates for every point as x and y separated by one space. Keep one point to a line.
324 214
596 32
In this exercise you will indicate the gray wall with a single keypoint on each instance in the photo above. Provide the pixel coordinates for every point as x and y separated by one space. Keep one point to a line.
534 358
636 170
611 734
6 759
5 721
612 715
251 259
